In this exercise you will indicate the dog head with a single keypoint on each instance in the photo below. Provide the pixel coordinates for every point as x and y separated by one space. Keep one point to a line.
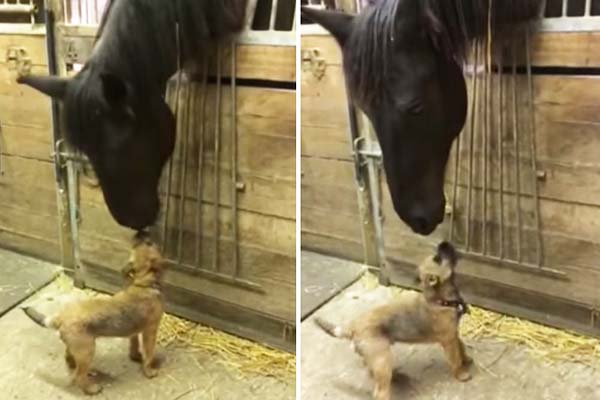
146 265
437 277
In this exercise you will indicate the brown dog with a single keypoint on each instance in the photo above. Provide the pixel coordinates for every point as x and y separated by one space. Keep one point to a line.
428 317
135 310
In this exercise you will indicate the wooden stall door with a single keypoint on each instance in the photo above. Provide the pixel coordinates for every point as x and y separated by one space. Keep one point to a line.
228 195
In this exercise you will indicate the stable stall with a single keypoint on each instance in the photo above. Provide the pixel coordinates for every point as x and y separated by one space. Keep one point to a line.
227 225
522 180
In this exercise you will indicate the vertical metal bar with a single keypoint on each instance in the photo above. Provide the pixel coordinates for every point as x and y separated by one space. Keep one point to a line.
217 149
200 170
516 146
565 7
170 166
455 184
273 14
588 8
533 149
486 130
68 239
234 160
183 171
471 138
501 149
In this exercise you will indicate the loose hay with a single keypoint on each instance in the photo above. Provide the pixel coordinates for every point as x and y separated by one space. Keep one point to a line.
542 342
239 355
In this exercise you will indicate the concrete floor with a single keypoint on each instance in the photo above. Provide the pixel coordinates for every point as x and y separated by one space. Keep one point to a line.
32 367
331 369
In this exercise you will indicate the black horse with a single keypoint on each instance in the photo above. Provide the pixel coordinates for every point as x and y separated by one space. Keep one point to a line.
403 66
114 109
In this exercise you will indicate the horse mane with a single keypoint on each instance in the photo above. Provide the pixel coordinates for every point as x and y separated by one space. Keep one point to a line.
451 26
142 40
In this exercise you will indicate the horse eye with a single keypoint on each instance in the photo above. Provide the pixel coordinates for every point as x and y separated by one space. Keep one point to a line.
415 108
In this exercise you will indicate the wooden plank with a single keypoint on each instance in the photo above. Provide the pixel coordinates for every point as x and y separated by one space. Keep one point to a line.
332 246
26 142
566 49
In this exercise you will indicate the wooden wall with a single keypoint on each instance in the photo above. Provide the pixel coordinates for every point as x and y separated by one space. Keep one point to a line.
28 210
568 140
330 221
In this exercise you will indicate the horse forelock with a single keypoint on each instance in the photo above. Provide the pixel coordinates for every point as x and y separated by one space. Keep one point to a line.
138 38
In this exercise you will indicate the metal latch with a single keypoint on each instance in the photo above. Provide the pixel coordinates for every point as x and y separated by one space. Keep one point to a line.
313 61
18 60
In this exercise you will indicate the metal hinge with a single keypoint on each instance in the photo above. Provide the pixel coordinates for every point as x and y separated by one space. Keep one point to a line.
313 61
18 60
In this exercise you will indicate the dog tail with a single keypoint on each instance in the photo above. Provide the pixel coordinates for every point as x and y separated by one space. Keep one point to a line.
40 319
332 329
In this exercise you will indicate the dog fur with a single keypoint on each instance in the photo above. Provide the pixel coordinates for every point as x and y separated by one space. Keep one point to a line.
428 317
135 310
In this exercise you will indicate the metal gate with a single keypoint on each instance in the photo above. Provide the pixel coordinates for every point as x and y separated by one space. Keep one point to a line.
198 160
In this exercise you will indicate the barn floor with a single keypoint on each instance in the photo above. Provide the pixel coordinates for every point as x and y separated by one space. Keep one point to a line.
32 366
331 369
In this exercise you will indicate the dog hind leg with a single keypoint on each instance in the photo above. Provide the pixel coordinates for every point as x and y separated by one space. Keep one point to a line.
82 349
377 354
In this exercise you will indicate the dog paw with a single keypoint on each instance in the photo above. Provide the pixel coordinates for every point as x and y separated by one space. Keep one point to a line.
150 372
135 357
463 376
92 389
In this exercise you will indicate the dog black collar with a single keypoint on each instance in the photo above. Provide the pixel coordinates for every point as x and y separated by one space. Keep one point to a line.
461 307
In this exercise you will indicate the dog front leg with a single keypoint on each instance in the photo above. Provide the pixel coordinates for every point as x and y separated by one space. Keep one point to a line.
454 354
149 342
466 360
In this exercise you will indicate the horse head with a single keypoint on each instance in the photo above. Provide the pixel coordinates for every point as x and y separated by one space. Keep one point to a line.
128 140
414 96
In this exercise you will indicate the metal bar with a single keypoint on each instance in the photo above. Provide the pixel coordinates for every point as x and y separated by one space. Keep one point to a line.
217 149
472 137
183 171
486 131
170 167
17 8
68 240
455 184
533 149
516 146
221 278
565 7
199 187
588 8
234 160
273 19
501 149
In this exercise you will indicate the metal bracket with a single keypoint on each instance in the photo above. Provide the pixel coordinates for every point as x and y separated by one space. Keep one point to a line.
18 60
314 62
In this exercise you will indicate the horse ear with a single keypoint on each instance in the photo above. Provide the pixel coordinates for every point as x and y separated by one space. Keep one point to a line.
52 86
339 24
114 88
